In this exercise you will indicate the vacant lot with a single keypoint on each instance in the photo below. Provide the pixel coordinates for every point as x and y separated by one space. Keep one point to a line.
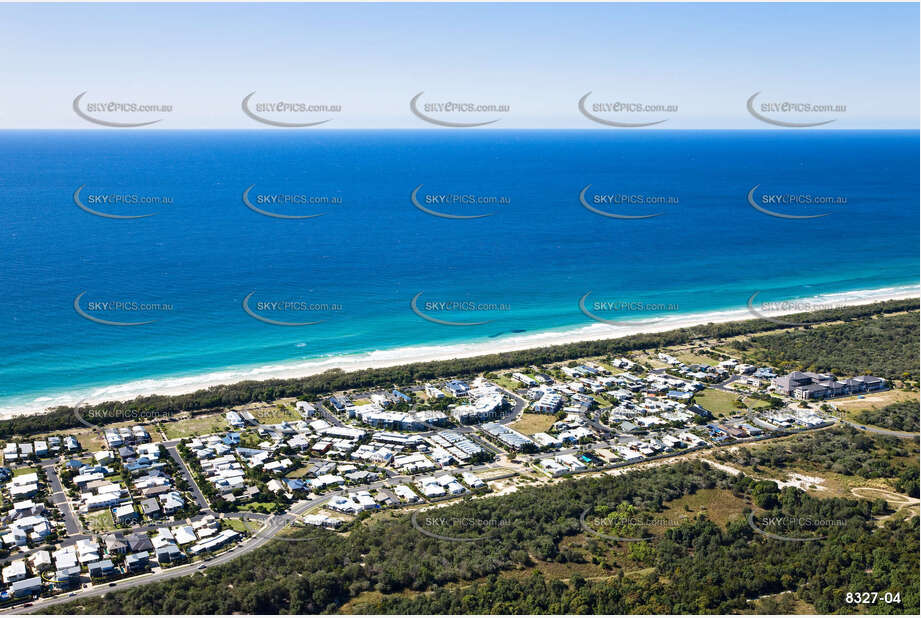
530 424
719 505
873 400
100 521
507 383
272 415
195 426
720 403
240 525
688 356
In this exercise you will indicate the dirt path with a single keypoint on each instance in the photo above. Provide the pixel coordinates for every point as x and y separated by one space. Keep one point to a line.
900 503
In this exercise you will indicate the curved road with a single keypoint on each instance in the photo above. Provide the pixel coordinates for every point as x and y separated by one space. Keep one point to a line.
880 431
273 526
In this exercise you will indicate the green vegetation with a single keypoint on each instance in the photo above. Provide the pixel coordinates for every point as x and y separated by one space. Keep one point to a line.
219 397
530 424
902 416
886 346
842 450
695 566
198 425
720 403
241 526
101 521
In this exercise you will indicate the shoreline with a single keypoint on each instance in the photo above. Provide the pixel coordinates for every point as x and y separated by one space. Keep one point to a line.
376 359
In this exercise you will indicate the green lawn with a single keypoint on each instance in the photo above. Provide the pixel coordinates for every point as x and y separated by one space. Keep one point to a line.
196 426
692 358
298 473
241 526
507 383
751 402
100 521
720 403
272 415
258 507
602 402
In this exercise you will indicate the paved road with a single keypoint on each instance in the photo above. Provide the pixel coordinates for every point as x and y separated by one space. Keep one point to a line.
59 499
328 416
723 386
880 431
196 491
125 584
273 524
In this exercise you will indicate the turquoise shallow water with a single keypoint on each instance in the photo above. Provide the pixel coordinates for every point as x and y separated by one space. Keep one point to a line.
355 269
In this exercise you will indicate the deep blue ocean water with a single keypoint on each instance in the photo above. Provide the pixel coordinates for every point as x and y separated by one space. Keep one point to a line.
369 255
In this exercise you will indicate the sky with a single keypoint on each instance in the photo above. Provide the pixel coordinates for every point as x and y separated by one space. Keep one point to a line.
697 64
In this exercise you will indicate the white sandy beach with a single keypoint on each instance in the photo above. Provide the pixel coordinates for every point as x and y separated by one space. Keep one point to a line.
412 354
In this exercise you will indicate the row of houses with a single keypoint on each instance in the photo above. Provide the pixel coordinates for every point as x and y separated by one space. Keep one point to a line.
14 452
120 436
374 415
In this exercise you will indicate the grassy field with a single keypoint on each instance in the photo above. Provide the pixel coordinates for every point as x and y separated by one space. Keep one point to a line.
492 473
756 403
720 403
719 505
270 414
530 424
507 383
241 526
602 402
195 426
852 405
650 359
691 358
298 473
24 470
100 521
258 507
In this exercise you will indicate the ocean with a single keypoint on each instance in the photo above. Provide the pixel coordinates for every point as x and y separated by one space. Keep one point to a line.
350 275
